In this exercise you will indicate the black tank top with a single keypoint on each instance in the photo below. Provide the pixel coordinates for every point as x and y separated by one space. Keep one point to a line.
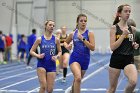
63 39
126 47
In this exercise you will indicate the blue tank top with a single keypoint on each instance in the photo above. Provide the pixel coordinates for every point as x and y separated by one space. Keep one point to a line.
79 46
1 42
22 44
48 47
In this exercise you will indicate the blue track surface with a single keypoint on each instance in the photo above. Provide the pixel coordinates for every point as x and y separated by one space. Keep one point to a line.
15 78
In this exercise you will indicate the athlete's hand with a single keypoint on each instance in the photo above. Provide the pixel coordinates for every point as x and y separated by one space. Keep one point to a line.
80 36
135 45
54 58
41 55
125 31
69 47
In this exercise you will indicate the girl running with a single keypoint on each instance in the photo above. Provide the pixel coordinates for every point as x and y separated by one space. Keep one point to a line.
46 67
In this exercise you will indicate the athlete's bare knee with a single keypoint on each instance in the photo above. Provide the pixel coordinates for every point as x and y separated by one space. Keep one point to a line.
64 64
77 79
43 87
132 83
49 90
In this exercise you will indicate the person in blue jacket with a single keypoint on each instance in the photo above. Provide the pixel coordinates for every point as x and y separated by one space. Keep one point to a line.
31 40
22 48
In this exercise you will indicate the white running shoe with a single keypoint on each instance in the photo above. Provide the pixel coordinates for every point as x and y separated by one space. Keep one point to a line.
29 67
64 80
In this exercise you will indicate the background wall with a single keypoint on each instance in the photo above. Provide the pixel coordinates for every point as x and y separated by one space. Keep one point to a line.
33 13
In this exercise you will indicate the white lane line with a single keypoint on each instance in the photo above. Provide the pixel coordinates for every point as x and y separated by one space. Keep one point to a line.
12 91
18 83
12 71
90 75
36 89
102 89
12 67
95 72
8 65
17 91
92 64
17 75
83 89
28 80
33 90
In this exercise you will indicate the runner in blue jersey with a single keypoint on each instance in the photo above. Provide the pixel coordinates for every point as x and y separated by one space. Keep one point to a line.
83 42
2 47
46 67
22 48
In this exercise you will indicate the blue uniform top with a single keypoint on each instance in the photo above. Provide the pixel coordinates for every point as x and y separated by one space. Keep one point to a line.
49 48
31 40
81 53
1 43
79 46
22 44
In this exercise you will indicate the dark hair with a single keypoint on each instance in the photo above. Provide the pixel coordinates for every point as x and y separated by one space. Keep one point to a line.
120 8
131 22
34 31
78 17
0 32
22 35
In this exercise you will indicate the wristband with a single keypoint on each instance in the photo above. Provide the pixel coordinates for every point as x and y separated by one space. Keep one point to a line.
83 39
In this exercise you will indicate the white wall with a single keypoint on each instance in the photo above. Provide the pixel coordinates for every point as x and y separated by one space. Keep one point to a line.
39 14
23 16
35 12
63 13
100 14
5 15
